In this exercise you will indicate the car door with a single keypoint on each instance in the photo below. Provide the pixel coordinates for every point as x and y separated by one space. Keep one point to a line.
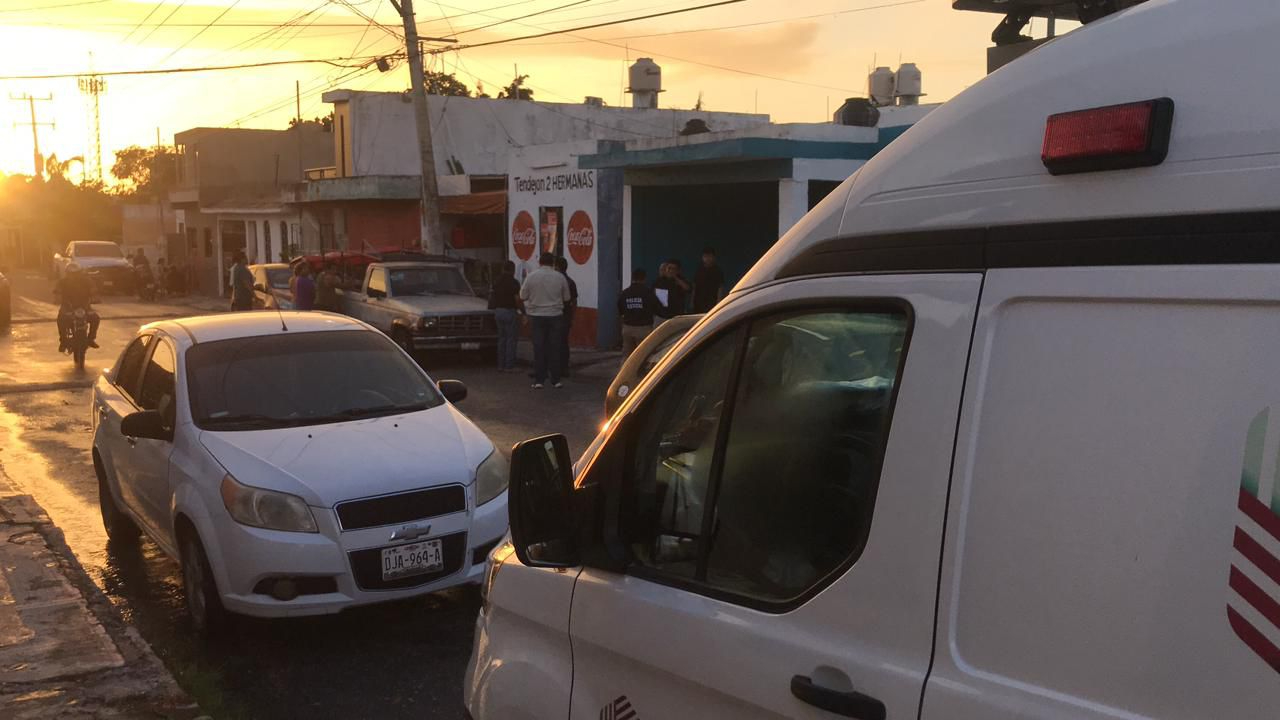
780 508
147 460
116 400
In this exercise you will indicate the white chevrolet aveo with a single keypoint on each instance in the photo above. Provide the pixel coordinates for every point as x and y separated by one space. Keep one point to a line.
294 464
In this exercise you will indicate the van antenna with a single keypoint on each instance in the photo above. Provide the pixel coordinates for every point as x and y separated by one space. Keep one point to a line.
279 314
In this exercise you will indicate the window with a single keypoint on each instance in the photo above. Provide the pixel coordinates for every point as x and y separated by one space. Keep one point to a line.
271 381
378 283
208 242
158 383
129 371
769 503
429 281
671 469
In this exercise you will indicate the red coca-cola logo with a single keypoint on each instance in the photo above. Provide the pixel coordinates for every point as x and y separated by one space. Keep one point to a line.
523 235
582 237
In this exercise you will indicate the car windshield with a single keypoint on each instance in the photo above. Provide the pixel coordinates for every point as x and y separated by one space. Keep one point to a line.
428 281
289 379
97 249
279 278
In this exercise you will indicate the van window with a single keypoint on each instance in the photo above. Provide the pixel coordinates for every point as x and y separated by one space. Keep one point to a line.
769 507
378 283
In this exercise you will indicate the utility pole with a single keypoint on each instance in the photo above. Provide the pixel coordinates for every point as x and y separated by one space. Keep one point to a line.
93 86
432 238
37 158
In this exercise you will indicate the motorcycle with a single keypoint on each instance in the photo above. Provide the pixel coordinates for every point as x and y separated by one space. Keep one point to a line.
146 283
77 337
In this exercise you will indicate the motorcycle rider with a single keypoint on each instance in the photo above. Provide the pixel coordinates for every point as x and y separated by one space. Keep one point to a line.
76 292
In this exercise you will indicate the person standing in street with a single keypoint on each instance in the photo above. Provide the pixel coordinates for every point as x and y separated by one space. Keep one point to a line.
566 320
544 294
672 290
327 289
304 289
241 283
708 283
504 301
637 305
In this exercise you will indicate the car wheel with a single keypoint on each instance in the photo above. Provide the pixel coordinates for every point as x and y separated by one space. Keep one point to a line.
204 606
119 526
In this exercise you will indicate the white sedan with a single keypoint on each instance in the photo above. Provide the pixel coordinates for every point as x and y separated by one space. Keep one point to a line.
293 471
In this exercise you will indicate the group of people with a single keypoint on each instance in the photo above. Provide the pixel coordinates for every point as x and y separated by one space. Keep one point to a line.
671 295
305 292
548 297
170 278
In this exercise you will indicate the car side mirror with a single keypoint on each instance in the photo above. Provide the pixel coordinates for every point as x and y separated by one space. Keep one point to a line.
455 391
145 425
543 529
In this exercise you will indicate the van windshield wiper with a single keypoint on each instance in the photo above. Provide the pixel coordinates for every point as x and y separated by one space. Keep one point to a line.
250 419
366 412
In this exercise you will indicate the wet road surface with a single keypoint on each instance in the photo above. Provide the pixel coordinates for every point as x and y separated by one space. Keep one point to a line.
404 659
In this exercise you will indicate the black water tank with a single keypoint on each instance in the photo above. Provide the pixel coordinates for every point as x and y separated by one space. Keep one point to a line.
858 112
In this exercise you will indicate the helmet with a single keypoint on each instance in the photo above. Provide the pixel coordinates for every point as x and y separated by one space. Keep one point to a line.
73 267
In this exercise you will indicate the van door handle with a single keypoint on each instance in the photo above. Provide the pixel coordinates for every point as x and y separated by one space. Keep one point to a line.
849 704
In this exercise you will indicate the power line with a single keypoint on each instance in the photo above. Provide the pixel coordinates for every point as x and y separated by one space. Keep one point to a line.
144 20
549 33
162 22
521 17
54 7
335 62
370 18
200 32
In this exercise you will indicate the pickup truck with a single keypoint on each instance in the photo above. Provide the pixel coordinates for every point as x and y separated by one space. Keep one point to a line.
423 306
104 262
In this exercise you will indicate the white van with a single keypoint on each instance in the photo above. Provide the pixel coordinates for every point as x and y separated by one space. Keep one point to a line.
987 435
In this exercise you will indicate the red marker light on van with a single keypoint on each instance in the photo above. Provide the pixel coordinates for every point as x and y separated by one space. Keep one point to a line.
1117 137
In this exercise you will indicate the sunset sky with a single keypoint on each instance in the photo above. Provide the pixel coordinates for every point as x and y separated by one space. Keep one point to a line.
794 59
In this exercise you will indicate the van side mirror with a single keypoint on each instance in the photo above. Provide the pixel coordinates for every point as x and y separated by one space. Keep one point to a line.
543 528
453 390
145 425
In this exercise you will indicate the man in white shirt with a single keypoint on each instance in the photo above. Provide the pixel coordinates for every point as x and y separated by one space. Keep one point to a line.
544 294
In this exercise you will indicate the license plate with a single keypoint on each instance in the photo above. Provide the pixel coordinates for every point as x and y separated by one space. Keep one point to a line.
470 346
415 559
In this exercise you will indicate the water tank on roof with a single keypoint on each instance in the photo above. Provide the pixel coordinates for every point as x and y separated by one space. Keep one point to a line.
880 86
857 112
646 74
908 84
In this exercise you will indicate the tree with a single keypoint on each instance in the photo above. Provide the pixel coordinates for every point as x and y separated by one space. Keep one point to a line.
325 123
57 170
439 83
145 171
516 90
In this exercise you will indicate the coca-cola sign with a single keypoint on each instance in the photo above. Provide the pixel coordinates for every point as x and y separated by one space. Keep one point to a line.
524 237
582 237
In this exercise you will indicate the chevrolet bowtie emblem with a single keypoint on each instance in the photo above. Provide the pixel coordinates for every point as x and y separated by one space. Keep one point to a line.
409 532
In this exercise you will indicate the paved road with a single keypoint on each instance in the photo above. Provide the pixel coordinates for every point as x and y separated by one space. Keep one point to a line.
400 660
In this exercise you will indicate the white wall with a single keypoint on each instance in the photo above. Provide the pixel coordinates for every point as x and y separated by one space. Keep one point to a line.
479 133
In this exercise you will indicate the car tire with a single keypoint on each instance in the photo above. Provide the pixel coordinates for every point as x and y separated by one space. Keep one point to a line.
200 589
119 526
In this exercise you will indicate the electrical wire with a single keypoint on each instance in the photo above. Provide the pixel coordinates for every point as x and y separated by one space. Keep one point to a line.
335 62
517 19
144 20
162 22
200 32
54 7
347 4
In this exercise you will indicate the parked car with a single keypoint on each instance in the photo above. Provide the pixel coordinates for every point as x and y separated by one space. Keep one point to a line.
6 301
643 359
991 433
228 440
423 306
104 263
271 286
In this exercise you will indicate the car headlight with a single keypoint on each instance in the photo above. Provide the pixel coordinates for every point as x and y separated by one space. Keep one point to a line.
492 477
266 509
427 323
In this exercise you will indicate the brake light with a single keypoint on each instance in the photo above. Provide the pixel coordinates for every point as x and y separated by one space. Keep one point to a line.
1117 137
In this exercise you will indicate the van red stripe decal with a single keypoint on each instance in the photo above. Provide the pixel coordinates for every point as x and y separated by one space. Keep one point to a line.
1260 513
1257 555
1256 641
1255 596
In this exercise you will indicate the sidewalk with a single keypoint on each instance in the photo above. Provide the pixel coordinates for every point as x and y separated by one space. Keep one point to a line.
33 302
57 659
587 362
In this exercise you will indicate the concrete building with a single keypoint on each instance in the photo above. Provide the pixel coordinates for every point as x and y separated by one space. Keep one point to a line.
236 190
150 226
370 193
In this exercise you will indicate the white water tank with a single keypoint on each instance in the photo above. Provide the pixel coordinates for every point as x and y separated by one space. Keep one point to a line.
646 83
880 86
908 84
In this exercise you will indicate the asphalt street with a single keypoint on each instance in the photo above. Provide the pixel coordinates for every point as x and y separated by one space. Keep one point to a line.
404 659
